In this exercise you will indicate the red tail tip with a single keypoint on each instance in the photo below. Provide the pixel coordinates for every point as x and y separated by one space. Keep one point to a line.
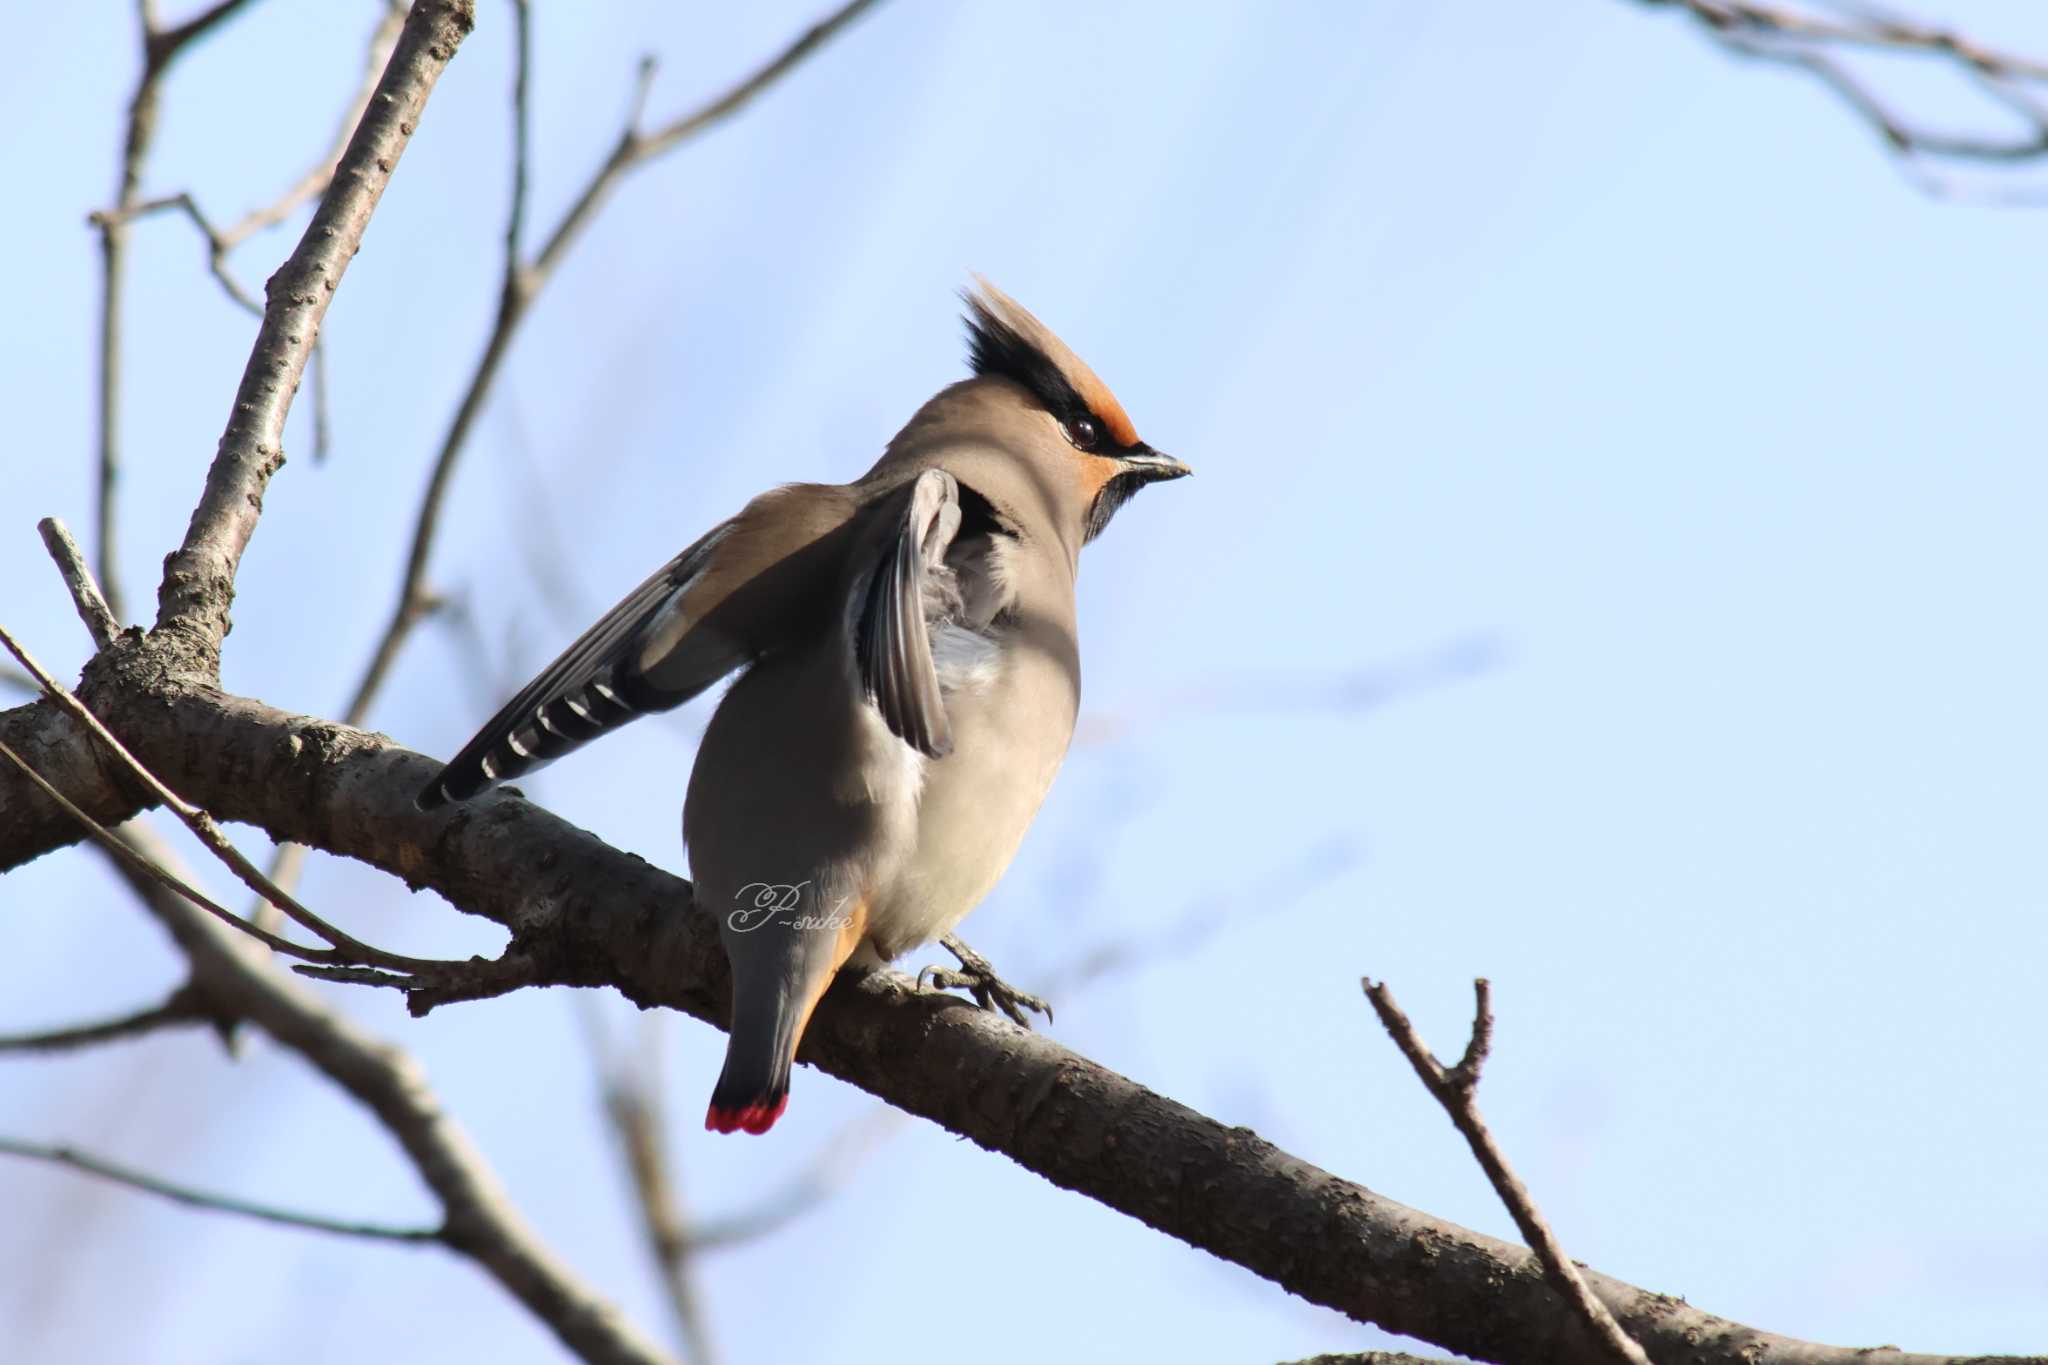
757 1117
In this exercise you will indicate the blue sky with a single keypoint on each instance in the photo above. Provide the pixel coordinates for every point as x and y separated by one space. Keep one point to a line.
1613 568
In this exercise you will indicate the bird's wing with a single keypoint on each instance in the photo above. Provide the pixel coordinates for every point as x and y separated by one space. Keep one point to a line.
891 639
665 643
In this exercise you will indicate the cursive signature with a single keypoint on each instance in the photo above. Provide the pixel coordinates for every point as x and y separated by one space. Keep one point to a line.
764 901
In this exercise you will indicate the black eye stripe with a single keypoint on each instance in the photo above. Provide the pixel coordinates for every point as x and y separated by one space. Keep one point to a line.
995 348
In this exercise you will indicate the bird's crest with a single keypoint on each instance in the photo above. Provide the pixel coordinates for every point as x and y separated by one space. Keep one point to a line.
1004 339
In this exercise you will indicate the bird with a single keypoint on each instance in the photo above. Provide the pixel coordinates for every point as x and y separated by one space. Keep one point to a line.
909 674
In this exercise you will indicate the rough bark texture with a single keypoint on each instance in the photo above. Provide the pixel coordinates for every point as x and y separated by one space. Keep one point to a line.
582 913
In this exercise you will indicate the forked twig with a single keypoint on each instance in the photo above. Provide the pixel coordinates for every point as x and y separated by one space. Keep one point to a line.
1455 1088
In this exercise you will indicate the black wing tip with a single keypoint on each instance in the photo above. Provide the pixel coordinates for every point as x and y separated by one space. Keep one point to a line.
444 791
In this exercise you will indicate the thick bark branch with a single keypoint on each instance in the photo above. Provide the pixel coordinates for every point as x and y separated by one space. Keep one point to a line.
581 913
199 576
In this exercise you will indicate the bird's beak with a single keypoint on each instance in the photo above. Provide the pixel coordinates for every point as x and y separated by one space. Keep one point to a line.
1153 466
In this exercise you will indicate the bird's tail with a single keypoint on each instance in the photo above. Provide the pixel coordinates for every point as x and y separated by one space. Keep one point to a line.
753 1089
779 971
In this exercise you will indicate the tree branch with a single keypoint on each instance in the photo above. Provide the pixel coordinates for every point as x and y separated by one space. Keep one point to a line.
160 49
1454 1088
1818 45
184 1006
199 576
317 178
216 249
99 619
479 1221
633 1111
581 913
343 947
202 1199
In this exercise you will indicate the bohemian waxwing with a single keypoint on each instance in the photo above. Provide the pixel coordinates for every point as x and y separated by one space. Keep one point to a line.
911 675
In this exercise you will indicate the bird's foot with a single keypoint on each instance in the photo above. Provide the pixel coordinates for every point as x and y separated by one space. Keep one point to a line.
977 976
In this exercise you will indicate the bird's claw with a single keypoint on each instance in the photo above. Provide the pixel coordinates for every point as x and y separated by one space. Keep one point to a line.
976 976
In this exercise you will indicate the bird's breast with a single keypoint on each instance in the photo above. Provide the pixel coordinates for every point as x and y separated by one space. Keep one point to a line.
1011 702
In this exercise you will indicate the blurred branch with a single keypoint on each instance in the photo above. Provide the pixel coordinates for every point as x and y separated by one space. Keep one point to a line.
1206 917
183 1006
632 1093
202 1199
320 174
216 253
1824 44
632 1108
1456 1089
161 48
1352 691
221 242
523 281
478 1218
826 1173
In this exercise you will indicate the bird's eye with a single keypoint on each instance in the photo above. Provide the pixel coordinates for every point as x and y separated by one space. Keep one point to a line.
1084 433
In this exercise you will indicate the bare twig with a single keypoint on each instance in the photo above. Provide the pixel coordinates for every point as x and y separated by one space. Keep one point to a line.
346 948
221 241
161 48
421 978
317 177
322 428
199 576
1207 916
522 283
479 1220
184 1006
1821 44
632 1106
216 251
1885 33
150 870
636 147
632 1093
821 1177
78 581
1454 1088
218 1203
